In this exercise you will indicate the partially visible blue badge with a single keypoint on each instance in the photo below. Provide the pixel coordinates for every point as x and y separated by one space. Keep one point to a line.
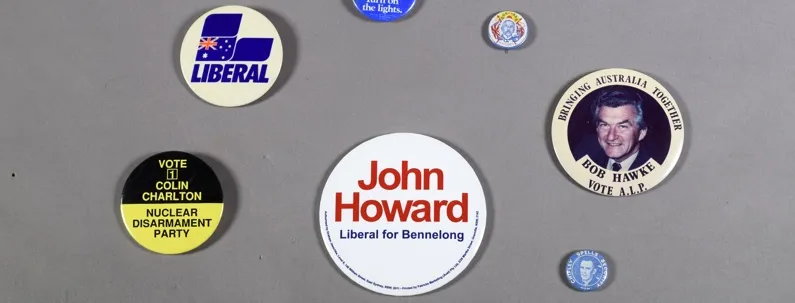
507 30
586 270
384 10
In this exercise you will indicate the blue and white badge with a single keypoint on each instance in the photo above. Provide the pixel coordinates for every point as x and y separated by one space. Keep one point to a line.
231 56
586 270
507 30
384 10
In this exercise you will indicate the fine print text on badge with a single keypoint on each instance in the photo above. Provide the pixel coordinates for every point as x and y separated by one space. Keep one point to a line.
402 214
617 132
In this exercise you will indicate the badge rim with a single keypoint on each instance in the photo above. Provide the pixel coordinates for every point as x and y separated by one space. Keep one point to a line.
154 157
523 39
187 46
559 132
602 257
449 279
398 18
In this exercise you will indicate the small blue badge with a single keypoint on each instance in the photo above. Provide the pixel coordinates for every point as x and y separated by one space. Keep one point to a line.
384 10
586 270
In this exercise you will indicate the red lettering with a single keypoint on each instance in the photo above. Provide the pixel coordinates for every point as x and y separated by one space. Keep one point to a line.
424 210
373 177
405 174
463 204
422 179
339 206
378 211
397 209
395 178
439 178
437 209
418 210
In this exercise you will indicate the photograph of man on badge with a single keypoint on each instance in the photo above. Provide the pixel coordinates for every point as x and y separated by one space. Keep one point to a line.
620 128
588 272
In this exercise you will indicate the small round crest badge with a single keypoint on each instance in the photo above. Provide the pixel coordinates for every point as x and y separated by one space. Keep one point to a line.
617 132
384 10
586 270
507 30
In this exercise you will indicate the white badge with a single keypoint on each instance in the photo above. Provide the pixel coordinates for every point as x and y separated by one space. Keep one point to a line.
617 132
507 30
231 56
402 214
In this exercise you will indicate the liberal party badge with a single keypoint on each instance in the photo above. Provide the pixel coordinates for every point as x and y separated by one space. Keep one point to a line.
384 10
586 270
402 214
507 30
231 56
617 132
171 203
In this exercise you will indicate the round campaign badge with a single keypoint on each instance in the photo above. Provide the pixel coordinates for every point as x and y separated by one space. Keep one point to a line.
617 132
402 214
171 203
507 30
586 270
231 56
384 10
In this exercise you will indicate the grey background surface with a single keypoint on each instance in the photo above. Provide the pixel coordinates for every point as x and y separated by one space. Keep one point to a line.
90 88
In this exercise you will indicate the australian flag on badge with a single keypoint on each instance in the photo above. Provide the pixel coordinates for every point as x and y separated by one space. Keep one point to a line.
219 41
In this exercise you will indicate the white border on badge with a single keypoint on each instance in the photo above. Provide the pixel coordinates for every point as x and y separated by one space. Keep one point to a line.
507 30
232 82
412 251
614 141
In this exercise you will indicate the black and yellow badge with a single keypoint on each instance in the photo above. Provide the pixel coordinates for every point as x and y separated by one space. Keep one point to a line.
172 203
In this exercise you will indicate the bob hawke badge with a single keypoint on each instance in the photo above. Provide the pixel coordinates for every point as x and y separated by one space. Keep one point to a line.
617 132
231 56
171 203
402 214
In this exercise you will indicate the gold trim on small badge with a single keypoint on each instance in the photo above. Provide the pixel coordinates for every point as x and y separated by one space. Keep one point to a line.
589 139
